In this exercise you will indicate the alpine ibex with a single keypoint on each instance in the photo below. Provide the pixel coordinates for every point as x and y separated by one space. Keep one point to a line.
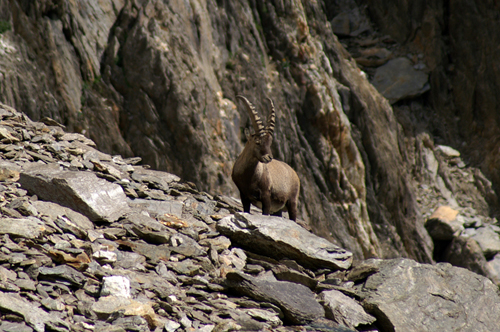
263 181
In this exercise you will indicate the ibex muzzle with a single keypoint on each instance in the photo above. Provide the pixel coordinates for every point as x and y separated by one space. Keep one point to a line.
263 181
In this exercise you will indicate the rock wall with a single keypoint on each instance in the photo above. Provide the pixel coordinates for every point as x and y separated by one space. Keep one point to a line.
458 41
159 81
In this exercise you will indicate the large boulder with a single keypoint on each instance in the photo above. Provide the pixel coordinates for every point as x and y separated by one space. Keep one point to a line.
282 238
83 192
407 296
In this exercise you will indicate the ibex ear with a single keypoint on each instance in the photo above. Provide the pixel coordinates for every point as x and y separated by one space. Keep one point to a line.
247 134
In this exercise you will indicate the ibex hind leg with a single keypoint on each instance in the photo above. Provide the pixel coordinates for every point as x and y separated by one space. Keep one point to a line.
291 206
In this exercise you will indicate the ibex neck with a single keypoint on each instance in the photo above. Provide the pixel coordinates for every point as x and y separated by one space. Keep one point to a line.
246 164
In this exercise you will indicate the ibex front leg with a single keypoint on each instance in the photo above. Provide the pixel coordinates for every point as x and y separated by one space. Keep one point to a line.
245 201
266 203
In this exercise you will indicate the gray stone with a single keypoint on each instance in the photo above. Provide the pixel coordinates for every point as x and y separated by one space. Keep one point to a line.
465 252
84 192
171 326
158 207
14 327
494 267
25 284
63 273
104 256
488 240
53 304
218 243
282 238
157 179
129 260
407 296
344 310
186 267
296 301
187 246
34 316
397 80
153 253
29 228
144 221
53 211
284 273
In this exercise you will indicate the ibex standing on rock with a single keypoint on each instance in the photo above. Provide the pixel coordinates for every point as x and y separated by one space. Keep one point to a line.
263 181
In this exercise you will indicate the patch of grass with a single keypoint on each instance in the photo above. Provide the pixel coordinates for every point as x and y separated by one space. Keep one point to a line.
118 61
230 65
97 80
4 26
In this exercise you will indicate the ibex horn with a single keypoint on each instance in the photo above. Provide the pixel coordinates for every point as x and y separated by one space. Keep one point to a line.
256 121
271 119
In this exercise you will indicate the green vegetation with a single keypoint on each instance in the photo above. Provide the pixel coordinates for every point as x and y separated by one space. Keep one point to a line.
4 26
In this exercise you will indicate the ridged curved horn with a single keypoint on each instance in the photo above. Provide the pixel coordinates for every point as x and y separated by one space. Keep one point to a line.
271 119
256 121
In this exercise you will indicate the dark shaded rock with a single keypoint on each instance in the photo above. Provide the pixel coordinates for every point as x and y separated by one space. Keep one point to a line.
398 80
296 301
344 310
407 296
34 316
362 270
62 273
84 192
443 225
283 238
186 246
283 273
153 253
466 253
187 267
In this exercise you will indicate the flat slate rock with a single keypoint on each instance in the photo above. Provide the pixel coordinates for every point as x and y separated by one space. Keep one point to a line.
28 228
397 80
84 192
53 210
34 316
282 238
297 302
408 296
158 207
63 272
157 179
344 310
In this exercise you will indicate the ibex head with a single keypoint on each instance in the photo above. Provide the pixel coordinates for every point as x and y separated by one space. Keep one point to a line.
260 141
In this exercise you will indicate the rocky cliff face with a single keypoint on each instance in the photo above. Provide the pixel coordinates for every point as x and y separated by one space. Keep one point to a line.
159 80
